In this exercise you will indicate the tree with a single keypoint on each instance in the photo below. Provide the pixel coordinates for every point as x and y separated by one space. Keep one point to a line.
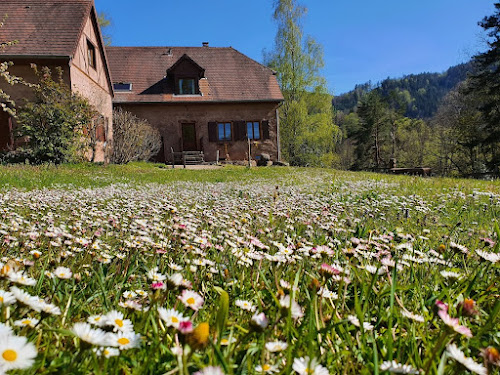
133 138
6 103
485 83
307 129
374 118
53 126
104 22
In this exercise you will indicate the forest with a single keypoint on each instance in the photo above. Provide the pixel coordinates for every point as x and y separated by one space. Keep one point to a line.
448 121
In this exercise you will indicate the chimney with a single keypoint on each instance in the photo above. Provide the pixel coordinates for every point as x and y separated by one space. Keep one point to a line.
205 44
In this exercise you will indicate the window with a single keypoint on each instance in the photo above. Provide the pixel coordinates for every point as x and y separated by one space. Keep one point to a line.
91 54
187 86
253 130
122 86
224 131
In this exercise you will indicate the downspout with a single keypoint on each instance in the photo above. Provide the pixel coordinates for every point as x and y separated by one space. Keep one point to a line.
278 132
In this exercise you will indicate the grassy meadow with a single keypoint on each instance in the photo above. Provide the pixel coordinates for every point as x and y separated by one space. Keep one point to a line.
141 269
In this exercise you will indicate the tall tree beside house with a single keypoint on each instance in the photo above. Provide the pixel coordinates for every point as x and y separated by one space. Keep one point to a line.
308 134
485 83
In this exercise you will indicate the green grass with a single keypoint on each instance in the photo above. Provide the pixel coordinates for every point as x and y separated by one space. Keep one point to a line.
237 233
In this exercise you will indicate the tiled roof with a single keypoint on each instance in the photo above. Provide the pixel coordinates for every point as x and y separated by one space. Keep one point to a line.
229 75
43 27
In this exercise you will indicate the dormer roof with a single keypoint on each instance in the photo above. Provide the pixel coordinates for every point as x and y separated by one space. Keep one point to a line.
229 76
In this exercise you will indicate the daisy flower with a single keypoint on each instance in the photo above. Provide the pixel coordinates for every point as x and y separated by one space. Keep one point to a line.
354 320
170 316
154 275
16 353
306 366
259 320
5 330
90 335
107 352
266 369
210 370
115 319
226 342
469 363
63 273
397 368
191 299
454 323
20 278
6 298
296 309
412 316
26 322
276 346
97 320
124 340
245 305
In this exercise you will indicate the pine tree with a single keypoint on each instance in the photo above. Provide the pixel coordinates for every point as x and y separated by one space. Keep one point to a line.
485 83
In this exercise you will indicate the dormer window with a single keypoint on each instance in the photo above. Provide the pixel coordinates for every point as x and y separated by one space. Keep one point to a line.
187 86
184 76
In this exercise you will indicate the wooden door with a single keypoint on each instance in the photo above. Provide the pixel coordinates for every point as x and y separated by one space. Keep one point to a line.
5 131
189 137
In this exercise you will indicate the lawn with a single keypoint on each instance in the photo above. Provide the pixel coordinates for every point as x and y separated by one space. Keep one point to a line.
140 269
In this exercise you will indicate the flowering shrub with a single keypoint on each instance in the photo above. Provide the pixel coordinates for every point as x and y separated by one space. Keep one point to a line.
295 275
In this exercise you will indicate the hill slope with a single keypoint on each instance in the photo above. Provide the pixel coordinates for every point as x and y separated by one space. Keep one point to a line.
422 92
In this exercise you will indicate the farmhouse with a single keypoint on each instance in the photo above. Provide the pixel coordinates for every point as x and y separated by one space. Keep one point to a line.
212 100
57 33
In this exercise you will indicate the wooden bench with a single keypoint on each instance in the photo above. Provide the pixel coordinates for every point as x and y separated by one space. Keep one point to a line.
420 171
187 158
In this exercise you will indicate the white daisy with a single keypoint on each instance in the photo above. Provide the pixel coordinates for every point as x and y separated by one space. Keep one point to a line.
116 320
276 346
191 299
210 370
124 340
6 298
296 309
20 278
397 368
88 334
63 272
306 366
266 369
16 353
107 352
245 305
26 322
469 363
172 317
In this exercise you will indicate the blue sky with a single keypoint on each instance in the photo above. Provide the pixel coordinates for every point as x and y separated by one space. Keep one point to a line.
362 39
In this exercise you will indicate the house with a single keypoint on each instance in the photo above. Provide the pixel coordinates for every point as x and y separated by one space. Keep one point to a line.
57 33
214 100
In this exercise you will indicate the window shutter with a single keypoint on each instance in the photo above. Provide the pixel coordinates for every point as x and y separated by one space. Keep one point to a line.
265 129
240 132
212 131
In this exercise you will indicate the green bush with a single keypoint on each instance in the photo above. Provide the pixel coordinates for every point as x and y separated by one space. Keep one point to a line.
54 125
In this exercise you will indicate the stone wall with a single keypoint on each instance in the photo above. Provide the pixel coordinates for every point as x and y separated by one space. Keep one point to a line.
168 118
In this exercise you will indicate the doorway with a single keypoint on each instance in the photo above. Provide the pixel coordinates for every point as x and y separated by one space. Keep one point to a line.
189 137
5 131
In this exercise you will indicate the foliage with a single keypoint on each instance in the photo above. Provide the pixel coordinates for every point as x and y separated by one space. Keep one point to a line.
133 138
422 92
53 126
379 268
308 134
485 84
6 103
104 23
